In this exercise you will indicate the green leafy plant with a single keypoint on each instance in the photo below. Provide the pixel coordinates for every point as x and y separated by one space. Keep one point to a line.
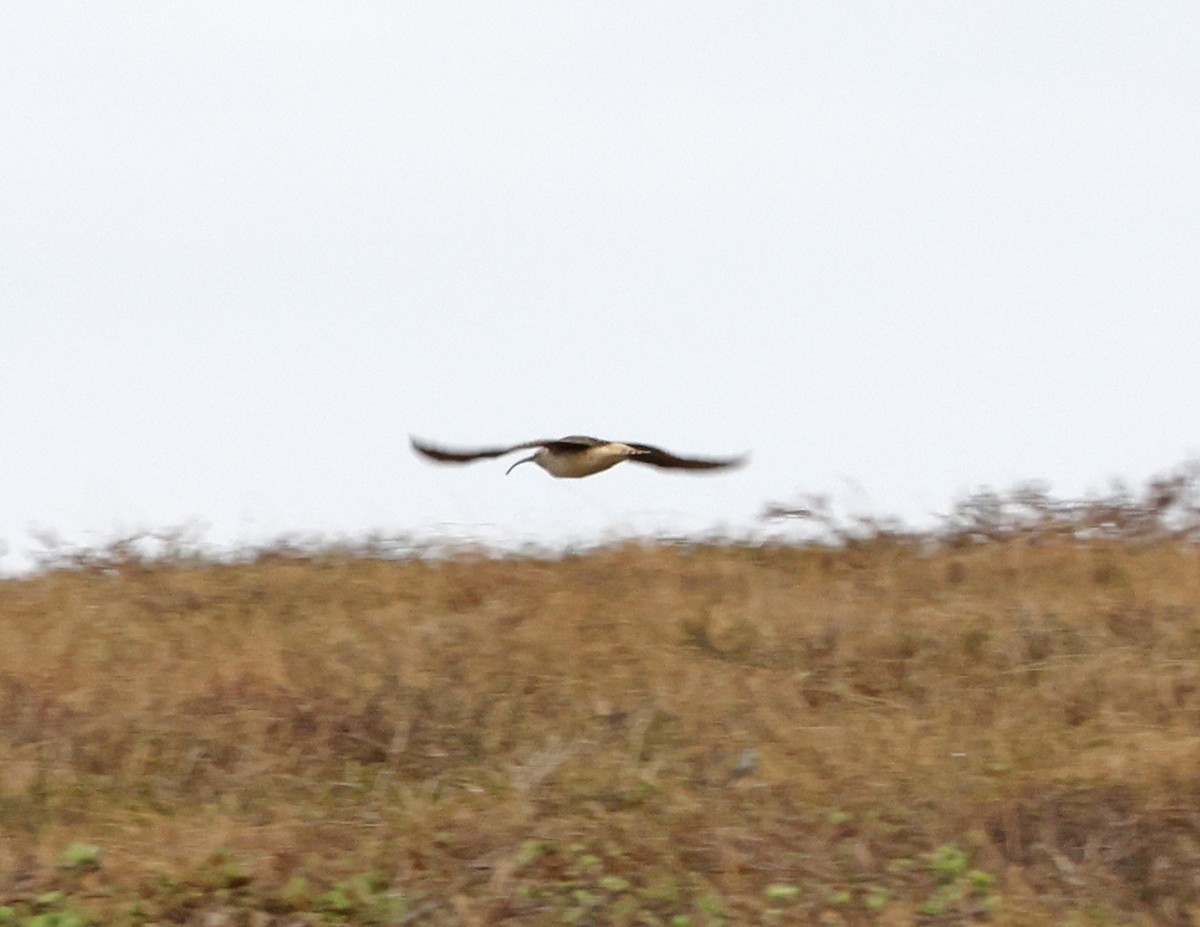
80 857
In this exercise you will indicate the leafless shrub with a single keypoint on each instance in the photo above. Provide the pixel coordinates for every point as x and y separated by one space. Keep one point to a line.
1166 508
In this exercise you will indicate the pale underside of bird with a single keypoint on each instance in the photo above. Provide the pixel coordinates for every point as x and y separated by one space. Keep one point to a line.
578 455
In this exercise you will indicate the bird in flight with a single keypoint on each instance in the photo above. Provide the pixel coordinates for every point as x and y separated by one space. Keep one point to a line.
578 455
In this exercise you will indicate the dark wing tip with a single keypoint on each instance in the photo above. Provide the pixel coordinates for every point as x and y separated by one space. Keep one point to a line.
445 455
428 450
657 457
441 454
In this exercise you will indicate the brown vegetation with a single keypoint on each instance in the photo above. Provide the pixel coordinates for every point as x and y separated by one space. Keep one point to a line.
975 727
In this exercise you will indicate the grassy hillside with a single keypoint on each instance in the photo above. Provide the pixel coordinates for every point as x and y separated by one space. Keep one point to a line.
887 731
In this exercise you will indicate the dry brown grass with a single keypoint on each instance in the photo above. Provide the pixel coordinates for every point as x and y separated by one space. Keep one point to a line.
887 732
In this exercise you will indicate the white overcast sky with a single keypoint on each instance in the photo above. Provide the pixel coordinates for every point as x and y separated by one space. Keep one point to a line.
898 251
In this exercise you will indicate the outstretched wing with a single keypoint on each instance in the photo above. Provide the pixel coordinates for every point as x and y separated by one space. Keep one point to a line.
657 457
445 455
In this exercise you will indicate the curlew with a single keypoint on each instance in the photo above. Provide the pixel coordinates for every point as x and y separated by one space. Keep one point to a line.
578 455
